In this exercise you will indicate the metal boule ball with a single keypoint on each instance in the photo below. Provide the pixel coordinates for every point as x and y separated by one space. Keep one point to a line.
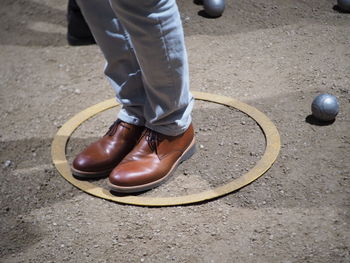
325 107
344 5
214 8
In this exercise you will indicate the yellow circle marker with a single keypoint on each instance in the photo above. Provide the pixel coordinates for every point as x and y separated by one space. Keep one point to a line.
273 145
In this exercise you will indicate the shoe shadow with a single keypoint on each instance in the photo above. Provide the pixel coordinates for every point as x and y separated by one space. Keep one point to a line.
118 194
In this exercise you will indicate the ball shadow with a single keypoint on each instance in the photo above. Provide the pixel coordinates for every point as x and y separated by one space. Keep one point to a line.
338 9
198 2
202 13
314 121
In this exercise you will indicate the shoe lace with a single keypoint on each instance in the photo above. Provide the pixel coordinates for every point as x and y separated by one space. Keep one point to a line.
152 139
113 128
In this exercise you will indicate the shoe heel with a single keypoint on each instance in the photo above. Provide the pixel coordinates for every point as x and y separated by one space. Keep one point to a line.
189 153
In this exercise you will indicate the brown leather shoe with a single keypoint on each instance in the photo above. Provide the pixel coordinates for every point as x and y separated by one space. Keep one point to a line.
100 157
152 161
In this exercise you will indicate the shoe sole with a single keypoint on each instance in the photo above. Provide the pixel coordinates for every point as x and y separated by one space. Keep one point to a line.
191 149
90 175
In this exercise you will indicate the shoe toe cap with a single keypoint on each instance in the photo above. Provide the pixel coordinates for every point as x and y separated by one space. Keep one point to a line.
120 178
83 163
124 177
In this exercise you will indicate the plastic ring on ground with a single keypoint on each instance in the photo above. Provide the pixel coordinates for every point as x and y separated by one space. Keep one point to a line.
273 145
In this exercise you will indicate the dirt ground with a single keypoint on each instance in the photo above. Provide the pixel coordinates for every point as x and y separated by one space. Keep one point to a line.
275 55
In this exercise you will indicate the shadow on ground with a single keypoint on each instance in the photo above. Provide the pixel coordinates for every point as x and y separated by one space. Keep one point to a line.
238 17
21 15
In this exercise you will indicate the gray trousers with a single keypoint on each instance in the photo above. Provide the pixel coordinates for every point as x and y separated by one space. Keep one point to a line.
146 60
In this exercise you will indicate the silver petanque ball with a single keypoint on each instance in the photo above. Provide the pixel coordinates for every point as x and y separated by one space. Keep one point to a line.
325 107
214 8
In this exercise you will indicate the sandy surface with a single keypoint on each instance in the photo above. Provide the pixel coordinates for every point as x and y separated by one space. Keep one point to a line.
274 55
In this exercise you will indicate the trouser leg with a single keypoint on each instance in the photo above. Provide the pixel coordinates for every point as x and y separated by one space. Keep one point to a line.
150 72
156 32
121 68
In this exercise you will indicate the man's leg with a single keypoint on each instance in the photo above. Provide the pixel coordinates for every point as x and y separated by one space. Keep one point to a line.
152 86
122 68
99 158
156 33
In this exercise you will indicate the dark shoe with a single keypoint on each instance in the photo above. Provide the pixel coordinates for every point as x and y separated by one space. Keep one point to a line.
79 33
80 41
100 157
152 161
